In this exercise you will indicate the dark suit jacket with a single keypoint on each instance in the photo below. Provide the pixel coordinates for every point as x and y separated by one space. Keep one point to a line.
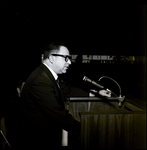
42 106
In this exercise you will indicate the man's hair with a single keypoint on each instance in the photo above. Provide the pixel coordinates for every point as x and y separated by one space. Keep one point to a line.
53 47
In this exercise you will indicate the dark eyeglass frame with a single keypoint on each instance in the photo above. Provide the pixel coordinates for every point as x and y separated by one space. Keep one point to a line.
67 57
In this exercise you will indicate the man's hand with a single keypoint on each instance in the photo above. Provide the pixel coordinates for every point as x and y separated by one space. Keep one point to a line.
92 93
106 93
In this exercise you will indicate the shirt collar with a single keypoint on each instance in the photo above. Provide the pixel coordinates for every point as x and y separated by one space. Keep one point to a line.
51 70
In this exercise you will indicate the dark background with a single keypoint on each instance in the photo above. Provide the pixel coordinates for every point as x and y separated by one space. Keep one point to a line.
85 28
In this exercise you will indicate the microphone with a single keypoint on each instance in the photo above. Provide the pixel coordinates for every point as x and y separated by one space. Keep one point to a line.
93 82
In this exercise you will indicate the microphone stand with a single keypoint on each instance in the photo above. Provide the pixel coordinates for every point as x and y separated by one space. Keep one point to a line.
119 98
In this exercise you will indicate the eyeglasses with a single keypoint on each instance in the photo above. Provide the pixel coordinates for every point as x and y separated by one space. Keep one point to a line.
67 57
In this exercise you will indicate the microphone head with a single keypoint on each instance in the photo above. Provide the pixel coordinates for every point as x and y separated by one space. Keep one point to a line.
84 78
87 79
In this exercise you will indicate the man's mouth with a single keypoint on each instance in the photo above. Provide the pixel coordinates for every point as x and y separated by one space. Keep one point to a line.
66 67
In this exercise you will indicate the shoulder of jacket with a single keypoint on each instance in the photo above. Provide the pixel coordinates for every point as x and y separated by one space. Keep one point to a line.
45 74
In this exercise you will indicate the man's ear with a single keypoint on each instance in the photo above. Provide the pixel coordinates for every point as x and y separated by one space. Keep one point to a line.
51 58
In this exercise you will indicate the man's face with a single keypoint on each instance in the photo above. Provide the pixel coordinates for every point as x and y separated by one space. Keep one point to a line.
60 65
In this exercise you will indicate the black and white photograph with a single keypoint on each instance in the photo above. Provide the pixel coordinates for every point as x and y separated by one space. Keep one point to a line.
73 75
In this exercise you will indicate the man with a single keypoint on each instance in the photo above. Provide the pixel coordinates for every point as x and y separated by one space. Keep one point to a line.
42 105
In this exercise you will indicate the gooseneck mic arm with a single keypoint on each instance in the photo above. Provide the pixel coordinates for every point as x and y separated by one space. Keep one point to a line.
113 81
120 98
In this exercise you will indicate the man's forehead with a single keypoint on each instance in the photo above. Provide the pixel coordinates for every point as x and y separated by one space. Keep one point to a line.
64 50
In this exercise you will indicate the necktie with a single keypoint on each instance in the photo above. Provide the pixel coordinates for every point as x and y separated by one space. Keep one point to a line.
57 81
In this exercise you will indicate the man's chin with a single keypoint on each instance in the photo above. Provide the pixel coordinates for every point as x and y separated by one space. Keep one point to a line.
64 71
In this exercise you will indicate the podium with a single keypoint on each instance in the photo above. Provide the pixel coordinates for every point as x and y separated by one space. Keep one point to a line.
104 125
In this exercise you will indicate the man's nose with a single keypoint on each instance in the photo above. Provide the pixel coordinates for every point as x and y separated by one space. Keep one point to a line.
69 61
